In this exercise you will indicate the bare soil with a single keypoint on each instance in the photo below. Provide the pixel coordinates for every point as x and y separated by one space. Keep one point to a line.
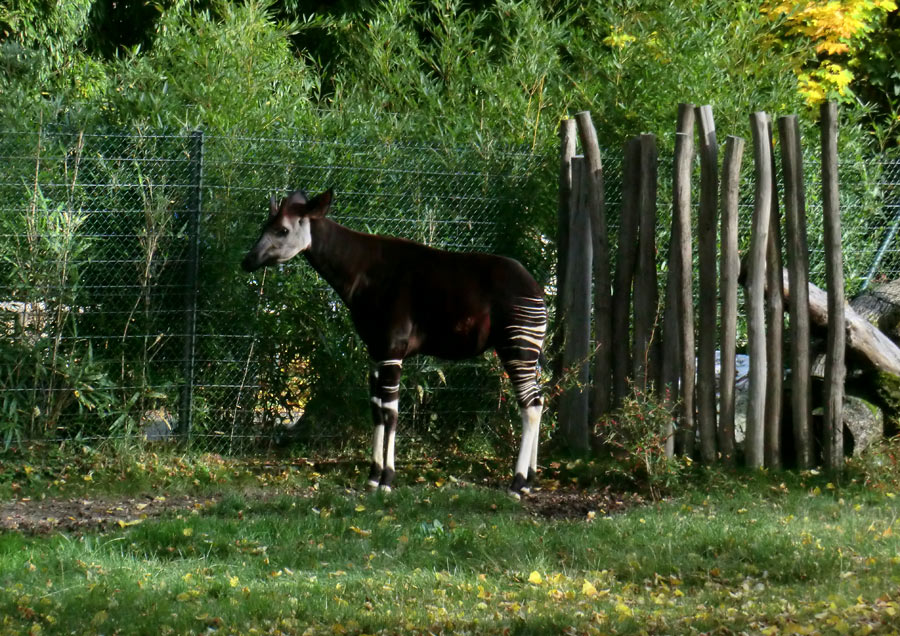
39 516
32 515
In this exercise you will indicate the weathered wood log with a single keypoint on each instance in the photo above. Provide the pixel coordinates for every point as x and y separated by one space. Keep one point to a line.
670 375
707 250
774 327
798 266
835 369
596 201
626 257
864 339
731 173
681 215
574 402
567 141
880 305
646 290
756 320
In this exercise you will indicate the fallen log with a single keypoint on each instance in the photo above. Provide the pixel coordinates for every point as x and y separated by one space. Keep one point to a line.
880 305
863 338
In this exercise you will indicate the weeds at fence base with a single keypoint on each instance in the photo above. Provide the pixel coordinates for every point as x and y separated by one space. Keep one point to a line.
636 433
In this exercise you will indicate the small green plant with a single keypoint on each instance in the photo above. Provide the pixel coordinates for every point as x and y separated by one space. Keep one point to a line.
878 467
637 431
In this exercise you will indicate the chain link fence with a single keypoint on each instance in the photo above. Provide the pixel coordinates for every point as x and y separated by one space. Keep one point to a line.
123 312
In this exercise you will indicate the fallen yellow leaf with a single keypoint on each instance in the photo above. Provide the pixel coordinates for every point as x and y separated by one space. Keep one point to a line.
535 578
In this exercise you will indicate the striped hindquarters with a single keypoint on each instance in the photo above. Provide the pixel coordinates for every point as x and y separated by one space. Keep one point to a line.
523 340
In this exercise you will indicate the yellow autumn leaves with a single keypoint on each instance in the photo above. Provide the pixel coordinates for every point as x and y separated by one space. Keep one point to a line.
555 581
837 28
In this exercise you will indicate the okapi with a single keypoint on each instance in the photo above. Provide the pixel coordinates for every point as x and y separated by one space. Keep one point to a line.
406 298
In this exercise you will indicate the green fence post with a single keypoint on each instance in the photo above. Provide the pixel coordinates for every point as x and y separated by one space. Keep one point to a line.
195 202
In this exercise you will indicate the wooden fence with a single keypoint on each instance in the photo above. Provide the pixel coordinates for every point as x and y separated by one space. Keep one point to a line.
621 337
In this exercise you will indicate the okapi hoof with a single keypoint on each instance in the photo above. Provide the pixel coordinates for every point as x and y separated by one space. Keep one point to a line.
374 476
518 487
387 478
385 489
531 481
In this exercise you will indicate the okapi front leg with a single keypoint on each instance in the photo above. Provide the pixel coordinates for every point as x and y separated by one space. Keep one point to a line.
389 394
378 435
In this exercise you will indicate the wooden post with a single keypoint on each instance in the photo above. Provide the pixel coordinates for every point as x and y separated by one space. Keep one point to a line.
574 402
798 273
600 393
681 215
707 250
731 175
756 319
774 327
645 286
567 141
671 367
835 371
625 263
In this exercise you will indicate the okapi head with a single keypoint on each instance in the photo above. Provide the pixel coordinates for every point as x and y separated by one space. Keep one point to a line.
287 231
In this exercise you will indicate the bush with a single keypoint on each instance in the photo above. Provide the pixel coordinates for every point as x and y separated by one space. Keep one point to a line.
638 432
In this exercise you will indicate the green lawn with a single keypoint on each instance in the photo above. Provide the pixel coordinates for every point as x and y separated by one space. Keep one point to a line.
296 547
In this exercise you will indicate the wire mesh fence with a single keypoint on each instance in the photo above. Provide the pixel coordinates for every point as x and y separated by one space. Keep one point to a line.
123 312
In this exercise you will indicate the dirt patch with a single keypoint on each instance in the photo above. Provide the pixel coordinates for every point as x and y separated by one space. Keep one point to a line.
580 504
39 516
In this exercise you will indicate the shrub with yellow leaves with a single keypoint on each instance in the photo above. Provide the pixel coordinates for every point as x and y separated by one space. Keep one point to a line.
837 30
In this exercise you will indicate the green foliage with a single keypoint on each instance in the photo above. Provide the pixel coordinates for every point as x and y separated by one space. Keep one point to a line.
639 431
437 69
232 68
458 72
633 62
47 372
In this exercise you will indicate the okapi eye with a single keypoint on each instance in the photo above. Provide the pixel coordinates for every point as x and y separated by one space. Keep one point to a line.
282 231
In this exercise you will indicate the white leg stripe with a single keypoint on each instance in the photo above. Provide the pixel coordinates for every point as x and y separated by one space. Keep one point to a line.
378 445
392 405
389 452
376 400
391 363
531 420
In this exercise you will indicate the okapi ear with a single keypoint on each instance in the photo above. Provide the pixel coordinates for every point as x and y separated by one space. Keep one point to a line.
273 206
320 205
295 203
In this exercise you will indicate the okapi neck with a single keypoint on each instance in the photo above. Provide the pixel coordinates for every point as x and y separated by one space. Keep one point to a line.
337 253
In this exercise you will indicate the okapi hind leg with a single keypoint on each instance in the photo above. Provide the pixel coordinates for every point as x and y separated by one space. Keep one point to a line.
388 380
520 351
526 464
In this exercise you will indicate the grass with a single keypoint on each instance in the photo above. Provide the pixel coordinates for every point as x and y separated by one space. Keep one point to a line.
293 547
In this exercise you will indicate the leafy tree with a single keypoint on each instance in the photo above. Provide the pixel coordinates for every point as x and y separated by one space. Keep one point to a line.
854 46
